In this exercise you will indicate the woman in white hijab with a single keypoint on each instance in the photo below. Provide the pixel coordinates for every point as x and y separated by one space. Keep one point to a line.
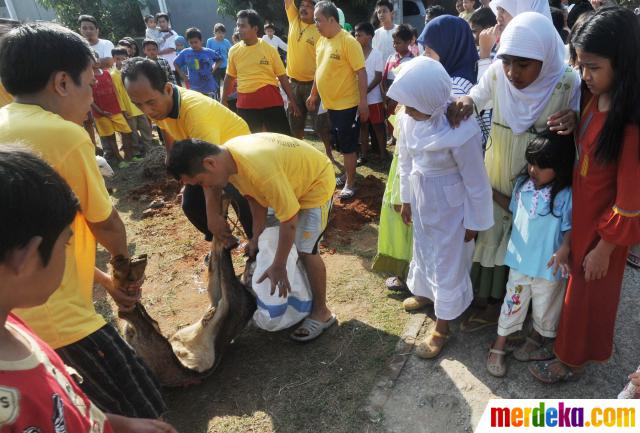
444 190
528 83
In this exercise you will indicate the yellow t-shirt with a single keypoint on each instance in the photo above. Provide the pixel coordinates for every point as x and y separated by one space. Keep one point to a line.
281 172
254 66
123 97
68 315
301 56
5 97
203 118
338 60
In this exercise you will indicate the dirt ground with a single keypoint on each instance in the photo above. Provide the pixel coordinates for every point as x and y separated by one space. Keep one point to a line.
266 382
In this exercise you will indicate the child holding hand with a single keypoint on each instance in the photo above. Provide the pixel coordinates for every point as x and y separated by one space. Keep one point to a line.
538 249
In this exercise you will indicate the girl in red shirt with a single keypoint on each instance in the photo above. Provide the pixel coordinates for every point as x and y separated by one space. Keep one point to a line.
606 202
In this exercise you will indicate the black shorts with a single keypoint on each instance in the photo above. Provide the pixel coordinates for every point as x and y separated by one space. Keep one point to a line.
271 119
194 207
113 376
345 129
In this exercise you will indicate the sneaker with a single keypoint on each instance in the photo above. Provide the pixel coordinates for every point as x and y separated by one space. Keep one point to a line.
341 181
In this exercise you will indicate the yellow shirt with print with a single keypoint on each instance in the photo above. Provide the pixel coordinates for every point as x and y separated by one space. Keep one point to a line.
123 97
338 60
203 118
255 66
69 314
301 56
281 172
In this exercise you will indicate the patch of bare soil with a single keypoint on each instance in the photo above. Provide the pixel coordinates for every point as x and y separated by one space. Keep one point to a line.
348 217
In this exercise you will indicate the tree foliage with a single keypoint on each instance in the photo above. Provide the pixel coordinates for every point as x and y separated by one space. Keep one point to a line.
273 10
116 18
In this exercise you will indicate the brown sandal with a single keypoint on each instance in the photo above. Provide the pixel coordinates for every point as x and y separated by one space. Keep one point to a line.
542 371
541 351
427 350
413 303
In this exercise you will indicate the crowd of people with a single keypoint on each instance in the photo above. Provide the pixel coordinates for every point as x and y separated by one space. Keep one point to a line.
512 182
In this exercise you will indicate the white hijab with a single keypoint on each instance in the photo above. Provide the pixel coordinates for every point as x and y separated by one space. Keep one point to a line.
425 85
532 36
516 7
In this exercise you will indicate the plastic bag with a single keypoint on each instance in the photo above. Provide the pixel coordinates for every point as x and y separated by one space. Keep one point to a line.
275 313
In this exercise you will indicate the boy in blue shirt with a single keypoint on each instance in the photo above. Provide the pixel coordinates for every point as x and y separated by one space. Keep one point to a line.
196 65
222 46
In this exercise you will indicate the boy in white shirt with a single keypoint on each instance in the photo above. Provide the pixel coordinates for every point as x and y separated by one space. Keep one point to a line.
271 38
383 38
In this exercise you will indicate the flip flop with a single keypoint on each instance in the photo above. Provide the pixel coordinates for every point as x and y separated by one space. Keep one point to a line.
475 323
396 284
347 193
541 370
314 328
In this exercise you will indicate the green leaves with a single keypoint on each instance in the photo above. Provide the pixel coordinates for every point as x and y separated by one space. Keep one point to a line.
117 18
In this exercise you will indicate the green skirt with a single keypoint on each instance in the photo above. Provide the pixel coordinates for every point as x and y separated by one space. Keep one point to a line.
489 282
395 238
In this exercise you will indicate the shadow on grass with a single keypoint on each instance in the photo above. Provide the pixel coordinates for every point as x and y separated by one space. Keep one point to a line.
316 387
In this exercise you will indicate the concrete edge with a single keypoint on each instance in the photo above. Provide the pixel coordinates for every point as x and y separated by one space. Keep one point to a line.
387 379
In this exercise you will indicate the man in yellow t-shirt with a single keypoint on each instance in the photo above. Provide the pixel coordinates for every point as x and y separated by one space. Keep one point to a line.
180 114
301 69
49 71
257 68
272 171
341 82
138 122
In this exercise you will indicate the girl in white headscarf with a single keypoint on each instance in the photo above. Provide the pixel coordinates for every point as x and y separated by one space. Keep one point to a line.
444 190
505 11
528 83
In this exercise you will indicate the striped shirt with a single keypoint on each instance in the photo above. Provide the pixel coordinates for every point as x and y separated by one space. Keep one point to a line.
462 87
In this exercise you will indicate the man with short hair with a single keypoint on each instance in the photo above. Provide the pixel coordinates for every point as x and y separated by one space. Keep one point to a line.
49 71
258 69
181 114
279 172
197 65
301 69
91 32
341 83
167 49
